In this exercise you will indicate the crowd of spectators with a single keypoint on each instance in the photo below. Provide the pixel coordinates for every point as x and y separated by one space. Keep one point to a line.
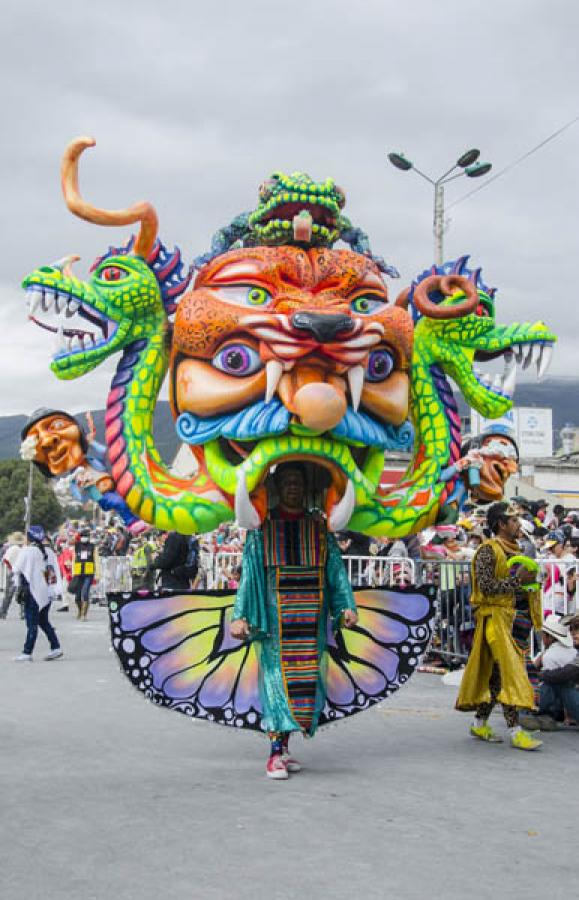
95 560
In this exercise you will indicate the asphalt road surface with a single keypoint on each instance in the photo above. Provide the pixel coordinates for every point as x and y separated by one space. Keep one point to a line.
105 797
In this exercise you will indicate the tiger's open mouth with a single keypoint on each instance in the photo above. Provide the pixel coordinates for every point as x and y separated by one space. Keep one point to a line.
241 468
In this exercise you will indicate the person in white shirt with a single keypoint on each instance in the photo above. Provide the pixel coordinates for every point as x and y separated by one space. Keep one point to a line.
38 573
15 543
557 643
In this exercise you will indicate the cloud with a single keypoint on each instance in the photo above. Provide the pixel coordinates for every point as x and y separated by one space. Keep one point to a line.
192 105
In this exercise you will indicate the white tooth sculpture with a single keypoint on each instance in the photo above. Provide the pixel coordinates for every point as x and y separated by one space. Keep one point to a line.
356 383
75 342
544 360
273 373
486 380
519 350
342 511
510 378
497 383
528 356
245 513
35 298
72 307
59 341
47 301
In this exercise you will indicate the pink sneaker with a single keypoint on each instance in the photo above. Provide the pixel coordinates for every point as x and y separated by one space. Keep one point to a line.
291 764
276 767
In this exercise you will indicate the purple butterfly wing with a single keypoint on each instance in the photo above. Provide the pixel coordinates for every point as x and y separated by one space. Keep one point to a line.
367 663
177 650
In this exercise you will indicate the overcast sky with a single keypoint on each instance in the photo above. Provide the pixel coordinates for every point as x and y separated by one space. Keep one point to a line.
192 104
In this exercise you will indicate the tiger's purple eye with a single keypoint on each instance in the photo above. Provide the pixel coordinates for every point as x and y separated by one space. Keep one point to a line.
380 365
237 359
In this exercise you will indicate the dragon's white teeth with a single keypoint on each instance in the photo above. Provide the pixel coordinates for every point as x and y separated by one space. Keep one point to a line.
342 511
528 350
34 302
519 350
72 307
477 372
75 343
510 380
273 373
497 382
59 340
47 301
245 513
544 360
486 380
356 383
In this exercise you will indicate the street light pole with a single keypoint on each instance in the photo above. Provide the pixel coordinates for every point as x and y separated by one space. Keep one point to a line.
28 498
438 223
467 162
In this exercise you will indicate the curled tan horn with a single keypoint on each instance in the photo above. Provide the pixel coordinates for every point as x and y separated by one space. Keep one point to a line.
447 285
140 212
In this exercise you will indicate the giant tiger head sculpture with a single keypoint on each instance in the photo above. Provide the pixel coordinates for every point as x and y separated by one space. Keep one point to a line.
290 354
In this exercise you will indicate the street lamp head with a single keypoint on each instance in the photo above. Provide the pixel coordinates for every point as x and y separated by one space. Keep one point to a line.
478 169
400 161
468 158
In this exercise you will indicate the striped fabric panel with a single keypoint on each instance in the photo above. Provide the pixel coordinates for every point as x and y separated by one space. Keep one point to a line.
294 543
300 600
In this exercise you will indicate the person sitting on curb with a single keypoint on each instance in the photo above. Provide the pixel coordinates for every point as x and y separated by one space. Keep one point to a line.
560 688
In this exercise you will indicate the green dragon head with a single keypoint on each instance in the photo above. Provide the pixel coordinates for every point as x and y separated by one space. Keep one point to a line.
295 208
128 296
90 320
456 329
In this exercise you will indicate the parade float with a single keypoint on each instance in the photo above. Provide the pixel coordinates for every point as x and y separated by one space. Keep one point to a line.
278 347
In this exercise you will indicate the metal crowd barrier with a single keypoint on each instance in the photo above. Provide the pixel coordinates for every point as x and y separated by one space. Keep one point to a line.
454 619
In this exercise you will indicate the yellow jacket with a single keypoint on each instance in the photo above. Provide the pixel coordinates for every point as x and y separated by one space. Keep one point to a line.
493 642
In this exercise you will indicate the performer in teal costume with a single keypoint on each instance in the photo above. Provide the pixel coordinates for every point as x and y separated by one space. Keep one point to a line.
293 576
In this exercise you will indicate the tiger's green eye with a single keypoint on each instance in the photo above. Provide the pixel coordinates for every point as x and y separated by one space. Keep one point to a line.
257 296
366 305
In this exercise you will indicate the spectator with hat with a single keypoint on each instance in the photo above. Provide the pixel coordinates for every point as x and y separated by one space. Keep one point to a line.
560 688
36 568
495 670
557 645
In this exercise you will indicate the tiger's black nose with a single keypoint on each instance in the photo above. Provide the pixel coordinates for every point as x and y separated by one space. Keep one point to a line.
325 327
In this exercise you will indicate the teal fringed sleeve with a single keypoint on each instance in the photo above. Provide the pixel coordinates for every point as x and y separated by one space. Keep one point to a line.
338 587
251 601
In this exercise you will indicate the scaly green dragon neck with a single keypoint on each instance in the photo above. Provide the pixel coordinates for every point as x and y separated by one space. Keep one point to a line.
415 502
150 490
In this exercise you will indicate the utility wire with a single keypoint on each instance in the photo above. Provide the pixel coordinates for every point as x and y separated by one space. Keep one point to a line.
515 163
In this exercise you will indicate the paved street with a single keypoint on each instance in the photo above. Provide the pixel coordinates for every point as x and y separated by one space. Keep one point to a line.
104 796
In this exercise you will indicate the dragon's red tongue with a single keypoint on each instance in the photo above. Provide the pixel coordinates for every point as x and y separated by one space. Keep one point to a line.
302 225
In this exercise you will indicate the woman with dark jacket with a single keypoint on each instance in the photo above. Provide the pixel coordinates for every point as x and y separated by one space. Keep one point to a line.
172 562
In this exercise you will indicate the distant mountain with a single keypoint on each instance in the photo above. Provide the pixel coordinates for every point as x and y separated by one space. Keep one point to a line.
561 394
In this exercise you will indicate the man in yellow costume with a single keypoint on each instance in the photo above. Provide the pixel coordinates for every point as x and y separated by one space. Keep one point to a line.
495 670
